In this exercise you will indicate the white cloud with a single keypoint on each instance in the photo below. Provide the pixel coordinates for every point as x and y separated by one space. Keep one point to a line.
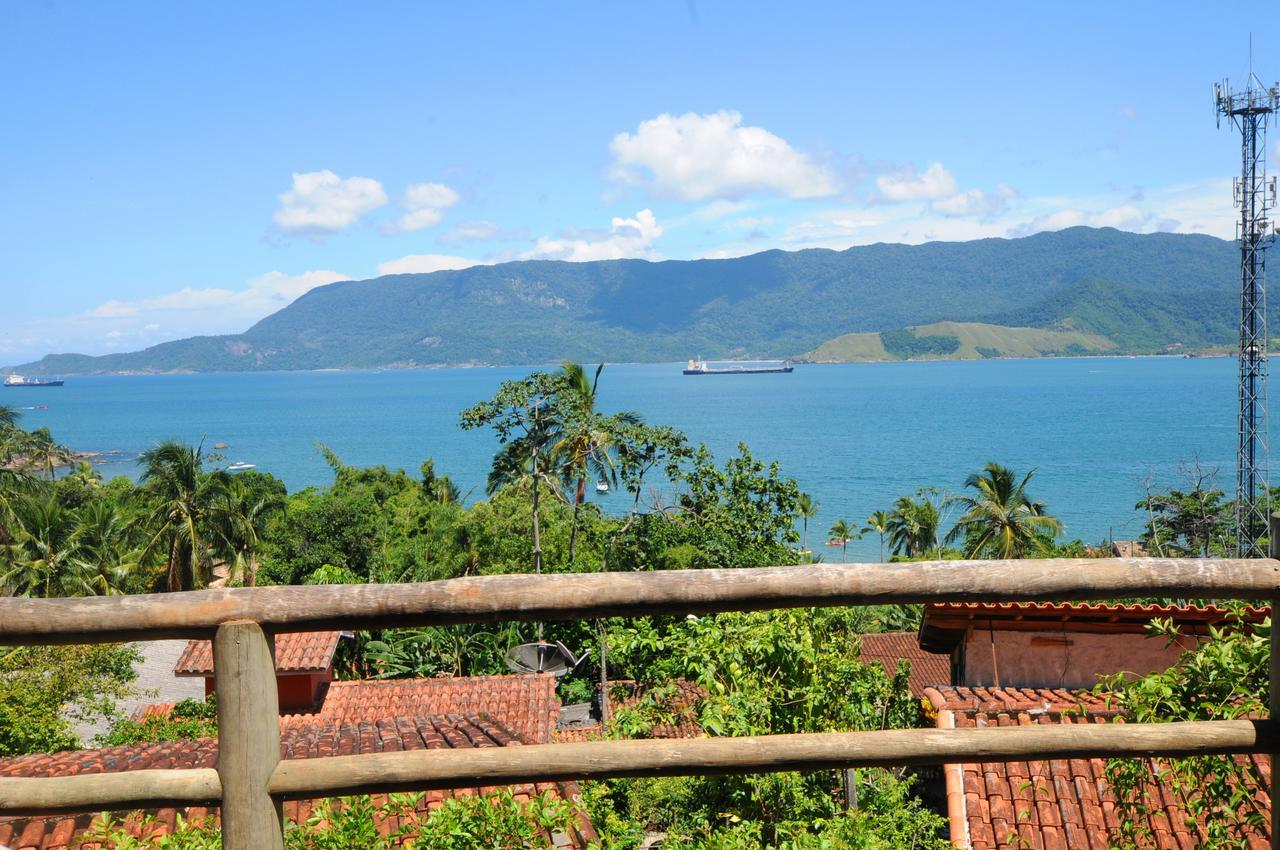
698 157
424 205
938 188
909 185
1128 112
479 231
627 237
262 295
114 309
425 263
975 202
722 208
1123 217
130 325
321 202
1200 207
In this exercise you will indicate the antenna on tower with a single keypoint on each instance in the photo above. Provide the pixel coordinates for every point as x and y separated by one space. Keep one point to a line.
1250 111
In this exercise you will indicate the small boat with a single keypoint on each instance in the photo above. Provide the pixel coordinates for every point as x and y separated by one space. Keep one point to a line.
20 381
240 466
602 486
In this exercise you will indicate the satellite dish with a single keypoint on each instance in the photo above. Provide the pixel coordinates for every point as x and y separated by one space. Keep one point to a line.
542 657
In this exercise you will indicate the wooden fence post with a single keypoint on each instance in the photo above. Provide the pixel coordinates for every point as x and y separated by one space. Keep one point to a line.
1273 531
248 736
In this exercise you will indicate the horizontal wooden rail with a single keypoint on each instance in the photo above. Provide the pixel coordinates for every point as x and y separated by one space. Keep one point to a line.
100 792
581 596
471 768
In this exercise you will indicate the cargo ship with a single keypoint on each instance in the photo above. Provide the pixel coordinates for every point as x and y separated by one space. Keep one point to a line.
762 367
20 381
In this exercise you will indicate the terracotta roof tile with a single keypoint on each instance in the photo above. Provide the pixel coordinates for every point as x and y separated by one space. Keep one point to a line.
296 652
927 668
1055 803
297 741
525 703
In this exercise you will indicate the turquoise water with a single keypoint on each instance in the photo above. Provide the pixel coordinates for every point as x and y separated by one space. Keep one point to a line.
855 436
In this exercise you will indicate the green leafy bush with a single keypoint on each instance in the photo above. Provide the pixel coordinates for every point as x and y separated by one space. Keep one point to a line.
190 719
44 690
1226 676
905 344
492 822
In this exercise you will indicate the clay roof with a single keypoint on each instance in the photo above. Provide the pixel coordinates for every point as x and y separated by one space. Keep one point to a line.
1051 805
297 741
679 711
927 668
525 703
296 653
945 624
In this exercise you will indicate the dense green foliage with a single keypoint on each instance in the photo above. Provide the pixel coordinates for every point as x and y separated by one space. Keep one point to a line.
44 690
1141 291
1224 677
1194 520
763 673
905 345
1146 318
493 822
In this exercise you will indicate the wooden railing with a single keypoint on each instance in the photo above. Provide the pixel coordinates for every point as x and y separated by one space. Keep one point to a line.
250 780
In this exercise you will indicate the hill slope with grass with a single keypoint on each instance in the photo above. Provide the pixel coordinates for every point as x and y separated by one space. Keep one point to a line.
958 341
1140 292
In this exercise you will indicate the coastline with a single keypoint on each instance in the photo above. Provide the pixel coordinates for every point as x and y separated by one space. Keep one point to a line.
1205 354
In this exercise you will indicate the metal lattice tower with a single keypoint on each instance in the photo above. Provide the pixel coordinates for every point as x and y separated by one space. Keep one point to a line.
1250 112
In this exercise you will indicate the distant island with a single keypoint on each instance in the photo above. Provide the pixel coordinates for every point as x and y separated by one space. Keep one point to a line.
1075 291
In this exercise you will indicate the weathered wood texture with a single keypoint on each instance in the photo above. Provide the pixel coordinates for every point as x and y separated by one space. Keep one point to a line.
465 768
109 791
1273 534
582 596
248 736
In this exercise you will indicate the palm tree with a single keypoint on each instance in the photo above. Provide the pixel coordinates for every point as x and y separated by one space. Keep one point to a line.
239 517
585 440
1001 518
439 488
85 475
15 481
109 551
182 491
807 508
913 526
842 532
879 523
44 557
43 451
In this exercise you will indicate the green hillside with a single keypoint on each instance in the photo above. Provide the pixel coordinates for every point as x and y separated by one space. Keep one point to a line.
966 341
1142 292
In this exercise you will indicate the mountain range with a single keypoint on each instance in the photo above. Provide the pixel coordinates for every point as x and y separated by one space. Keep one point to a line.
1090 290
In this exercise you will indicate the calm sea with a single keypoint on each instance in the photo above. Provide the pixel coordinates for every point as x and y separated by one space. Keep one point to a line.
854 436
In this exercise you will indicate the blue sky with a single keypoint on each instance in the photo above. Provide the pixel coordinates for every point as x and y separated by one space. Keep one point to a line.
172 169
